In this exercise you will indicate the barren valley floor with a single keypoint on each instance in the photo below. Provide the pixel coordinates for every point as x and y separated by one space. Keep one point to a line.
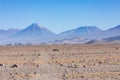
60 62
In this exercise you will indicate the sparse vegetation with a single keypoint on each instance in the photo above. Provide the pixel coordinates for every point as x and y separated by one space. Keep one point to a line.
72 62
18 44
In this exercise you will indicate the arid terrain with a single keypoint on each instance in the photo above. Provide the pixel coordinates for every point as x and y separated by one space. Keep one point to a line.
60 62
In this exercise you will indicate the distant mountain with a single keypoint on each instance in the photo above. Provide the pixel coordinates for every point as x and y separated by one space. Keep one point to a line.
92 34
38 34
109 40
81 32
113 38
7 33
115 31
114 28
70 41
32 33
103 42
96 41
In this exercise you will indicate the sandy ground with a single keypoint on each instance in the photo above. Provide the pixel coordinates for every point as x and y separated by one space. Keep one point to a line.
60 62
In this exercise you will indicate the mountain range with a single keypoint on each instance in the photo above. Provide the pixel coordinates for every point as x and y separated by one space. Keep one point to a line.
7 33
38 34
81 32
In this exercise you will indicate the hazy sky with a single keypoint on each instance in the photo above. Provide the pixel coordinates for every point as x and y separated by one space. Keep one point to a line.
59 15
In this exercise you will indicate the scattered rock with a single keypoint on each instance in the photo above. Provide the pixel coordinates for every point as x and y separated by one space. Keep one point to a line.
82 76
56 50
1 64
116 48
34 72
84 66
14 66
39 55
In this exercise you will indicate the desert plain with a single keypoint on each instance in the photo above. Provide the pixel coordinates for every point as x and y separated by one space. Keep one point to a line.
60 62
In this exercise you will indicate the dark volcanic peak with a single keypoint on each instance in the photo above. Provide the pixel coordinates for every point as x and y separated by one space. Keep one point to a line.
33 32
112 38
92 41
36 25
96 41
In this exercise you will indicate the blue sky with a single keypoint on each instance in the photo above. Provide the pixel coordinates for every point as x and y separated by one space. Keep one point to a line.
59 15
